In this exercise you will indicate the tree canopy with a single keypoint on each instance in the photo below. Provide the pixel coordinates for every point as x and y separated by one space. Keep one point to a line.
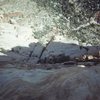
75 18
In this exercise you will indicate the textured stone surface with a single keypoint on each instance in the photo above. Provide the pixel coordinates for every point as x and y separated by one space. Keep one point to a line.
73 83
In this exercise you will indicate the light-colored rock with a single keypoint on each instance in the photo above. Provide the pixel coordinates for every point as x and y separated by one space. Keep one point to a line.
15 35
17 39
81 66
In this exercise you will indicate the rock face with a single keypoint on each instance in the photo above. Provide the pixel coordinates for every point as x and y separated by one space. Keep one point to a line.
73 83
15 35
22 46
22 21
49 31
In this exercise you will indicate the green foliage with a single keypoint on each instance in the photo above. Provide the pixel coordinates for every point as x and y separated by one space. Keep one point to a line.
3 50
39 34
67 15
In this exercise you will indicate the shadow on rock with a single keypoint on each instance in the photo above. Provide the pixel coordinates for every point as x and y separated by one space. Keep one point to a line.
55 52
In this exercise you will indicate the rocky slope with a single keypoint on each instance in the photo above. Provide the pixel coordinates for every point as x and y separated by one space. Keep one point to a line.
49 50
73 83
35 29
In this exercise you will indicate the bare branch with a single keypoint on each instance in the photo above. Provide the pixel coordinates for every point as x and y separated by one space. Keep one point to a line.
85 25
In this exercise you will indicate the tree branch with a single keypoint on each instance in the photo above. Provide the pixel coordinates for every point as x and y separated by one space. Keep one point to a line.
85 25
